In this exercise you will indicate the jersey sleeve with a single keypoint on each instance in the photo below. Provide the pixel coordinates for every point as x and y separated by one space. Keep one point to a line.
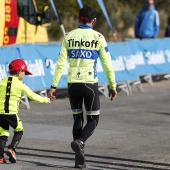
60 64
107 63
32 95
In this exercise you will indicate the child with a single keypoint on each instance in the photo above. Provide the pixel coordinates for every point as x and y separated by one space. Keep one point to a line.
11 89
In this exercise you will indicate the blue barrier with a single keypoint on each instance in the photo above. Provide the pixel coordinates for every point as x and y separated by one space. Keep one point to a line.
151 56
40 60
122 60
130 60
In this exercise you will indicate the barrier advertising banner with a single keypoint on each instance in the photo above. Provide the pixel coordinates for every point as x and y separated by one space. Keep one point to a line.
151 56
129 59
122 60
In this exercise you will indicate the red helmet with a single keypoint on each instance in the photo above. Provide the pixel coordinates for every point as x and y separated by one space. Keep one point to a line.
19 65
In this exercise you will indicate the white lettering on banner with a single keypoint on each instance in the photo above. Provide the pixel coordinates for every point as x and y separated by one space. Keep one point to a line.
138 58
167 54
129 63
118 64
50 63
147 54
156 58
52 67
3 72
36 68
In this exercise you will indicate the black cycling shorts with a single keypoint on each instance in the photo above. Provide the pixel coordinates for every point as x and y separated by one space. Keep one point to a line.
12 120
87 92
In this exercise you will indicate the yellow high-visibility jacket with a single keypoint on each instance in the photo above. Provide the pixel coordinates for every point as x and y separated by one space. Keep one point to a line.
11 89
82 47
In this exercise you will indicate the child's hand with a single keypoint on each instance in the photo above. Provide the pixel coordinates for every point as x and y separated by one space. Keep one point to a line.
49 100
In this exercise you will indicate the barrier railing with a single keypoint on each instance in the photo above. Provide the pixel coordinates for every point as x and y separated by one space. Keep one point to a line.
130 60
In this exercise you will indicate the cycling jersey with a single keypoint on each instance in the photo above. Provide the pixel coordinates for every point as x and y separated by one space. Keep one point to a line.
11 89
82 47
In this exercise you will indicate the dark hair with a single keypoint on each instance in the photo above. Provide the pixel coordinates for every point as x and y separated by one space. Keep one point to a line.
86 14
13 72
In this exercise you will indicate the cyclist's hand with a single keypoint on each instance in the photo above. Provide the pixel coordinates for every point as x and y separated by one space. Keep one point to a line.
52 94
112 94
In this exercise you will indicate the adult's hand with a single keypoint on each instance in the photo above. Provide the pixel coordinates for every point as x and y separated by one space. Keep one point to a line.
52 94
112 94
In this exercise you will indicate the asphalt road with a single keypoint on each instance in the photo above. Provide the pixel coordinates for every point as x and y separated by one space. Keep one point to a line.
133 133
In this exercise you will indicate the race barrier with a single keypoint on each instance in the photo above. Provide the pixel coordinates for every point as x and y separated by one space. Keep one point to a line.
130 59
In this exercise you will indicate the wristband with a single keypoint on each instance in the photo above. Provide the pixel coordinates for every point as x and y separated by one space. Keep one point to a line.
52 87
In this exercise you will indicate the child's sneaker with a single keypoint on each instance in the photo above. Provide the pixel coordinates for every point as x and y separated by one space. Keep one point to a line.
12 155
2 160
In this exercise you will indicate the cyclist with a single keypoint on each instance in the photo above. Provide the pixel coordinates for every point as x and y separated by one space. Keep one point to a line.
82 47
11 89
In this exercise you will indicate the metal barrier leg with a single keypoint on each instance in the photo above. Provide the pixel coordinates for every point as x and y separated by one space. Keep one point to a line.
148 78
24 100
129 88
43 93
104 90
138 85
124 87
167 76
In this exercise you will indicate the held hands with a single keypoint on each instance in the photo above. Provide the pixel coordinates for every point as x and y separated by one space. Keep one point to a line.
52 94
49 100
112 94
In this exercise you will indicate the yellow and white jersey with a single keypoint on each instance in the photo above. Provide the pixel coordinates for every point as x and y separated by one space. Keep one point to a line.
82 47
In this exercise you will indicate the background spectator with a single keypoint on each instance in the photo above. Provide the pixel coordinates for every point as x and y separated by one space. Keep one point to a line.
167 31
147 21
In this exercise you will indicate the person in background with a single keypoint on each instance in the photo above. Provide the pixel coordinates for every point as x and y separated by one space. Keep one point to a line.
11 89
147 21
82 47
167 31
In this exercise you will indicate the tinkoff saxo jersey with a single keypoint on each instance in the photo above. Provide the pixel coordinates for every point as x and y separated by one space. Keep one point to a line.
82 47
11 89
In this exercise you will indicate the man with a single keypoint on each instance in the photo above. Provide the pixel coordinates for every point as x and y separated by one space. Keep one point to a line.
147 21
167 31
82 47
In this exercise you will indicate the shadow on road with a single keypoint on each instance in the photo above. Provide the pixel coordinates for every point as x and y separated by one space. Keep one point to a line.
102 162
